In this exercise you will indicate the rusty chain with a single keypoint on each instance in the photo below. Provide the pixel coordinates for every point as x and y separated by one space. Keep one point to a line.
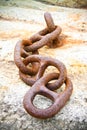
32 67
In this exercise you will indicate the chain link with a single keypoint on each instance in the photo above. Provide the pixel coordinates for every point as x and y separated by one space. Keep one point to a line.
32 68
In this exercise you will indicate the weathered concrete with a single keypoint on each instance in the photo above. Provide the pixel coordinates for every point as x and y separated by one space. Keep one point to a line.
17 23
36 3
68 3
41 3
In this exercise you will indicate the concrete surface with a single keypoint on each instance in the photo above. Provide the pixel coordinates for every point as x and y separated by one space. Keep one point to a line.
19 23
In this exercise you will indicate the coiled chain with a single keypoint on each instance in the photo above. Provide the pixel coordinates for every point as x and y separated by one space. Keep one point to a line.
32 67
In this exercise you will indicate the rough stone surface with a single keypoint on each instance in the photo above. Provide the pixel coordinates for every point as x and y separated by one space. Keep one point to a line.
35 3
18 23
68 3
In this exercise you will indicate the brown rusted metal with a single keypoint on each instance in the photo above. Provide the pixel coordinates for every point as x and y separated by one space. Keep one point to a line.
20 54
44 62
49 22
48 38
59 100
51 27
32 67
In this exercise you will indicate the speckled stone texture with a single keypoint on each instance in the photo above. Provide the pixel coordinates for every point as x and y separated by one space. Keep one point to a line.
19 23
68 3
40 3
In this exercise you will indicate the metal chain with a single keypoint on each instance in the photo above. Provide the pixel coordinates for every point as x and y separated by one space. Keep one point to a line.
32 67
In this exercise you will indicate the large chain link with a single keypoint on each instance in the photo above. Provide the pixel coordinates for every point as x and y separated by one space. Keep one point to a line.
32 67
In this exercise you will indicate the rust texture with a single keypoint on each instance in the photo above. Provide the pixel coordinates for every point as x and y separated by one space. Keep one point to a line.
32 67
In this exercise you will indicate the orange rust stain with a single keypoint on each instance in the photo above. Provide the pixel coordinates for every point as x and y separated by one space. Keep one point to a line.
74 17
4 88
68 42
78 63
15 34
52 9
74 41
78 67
